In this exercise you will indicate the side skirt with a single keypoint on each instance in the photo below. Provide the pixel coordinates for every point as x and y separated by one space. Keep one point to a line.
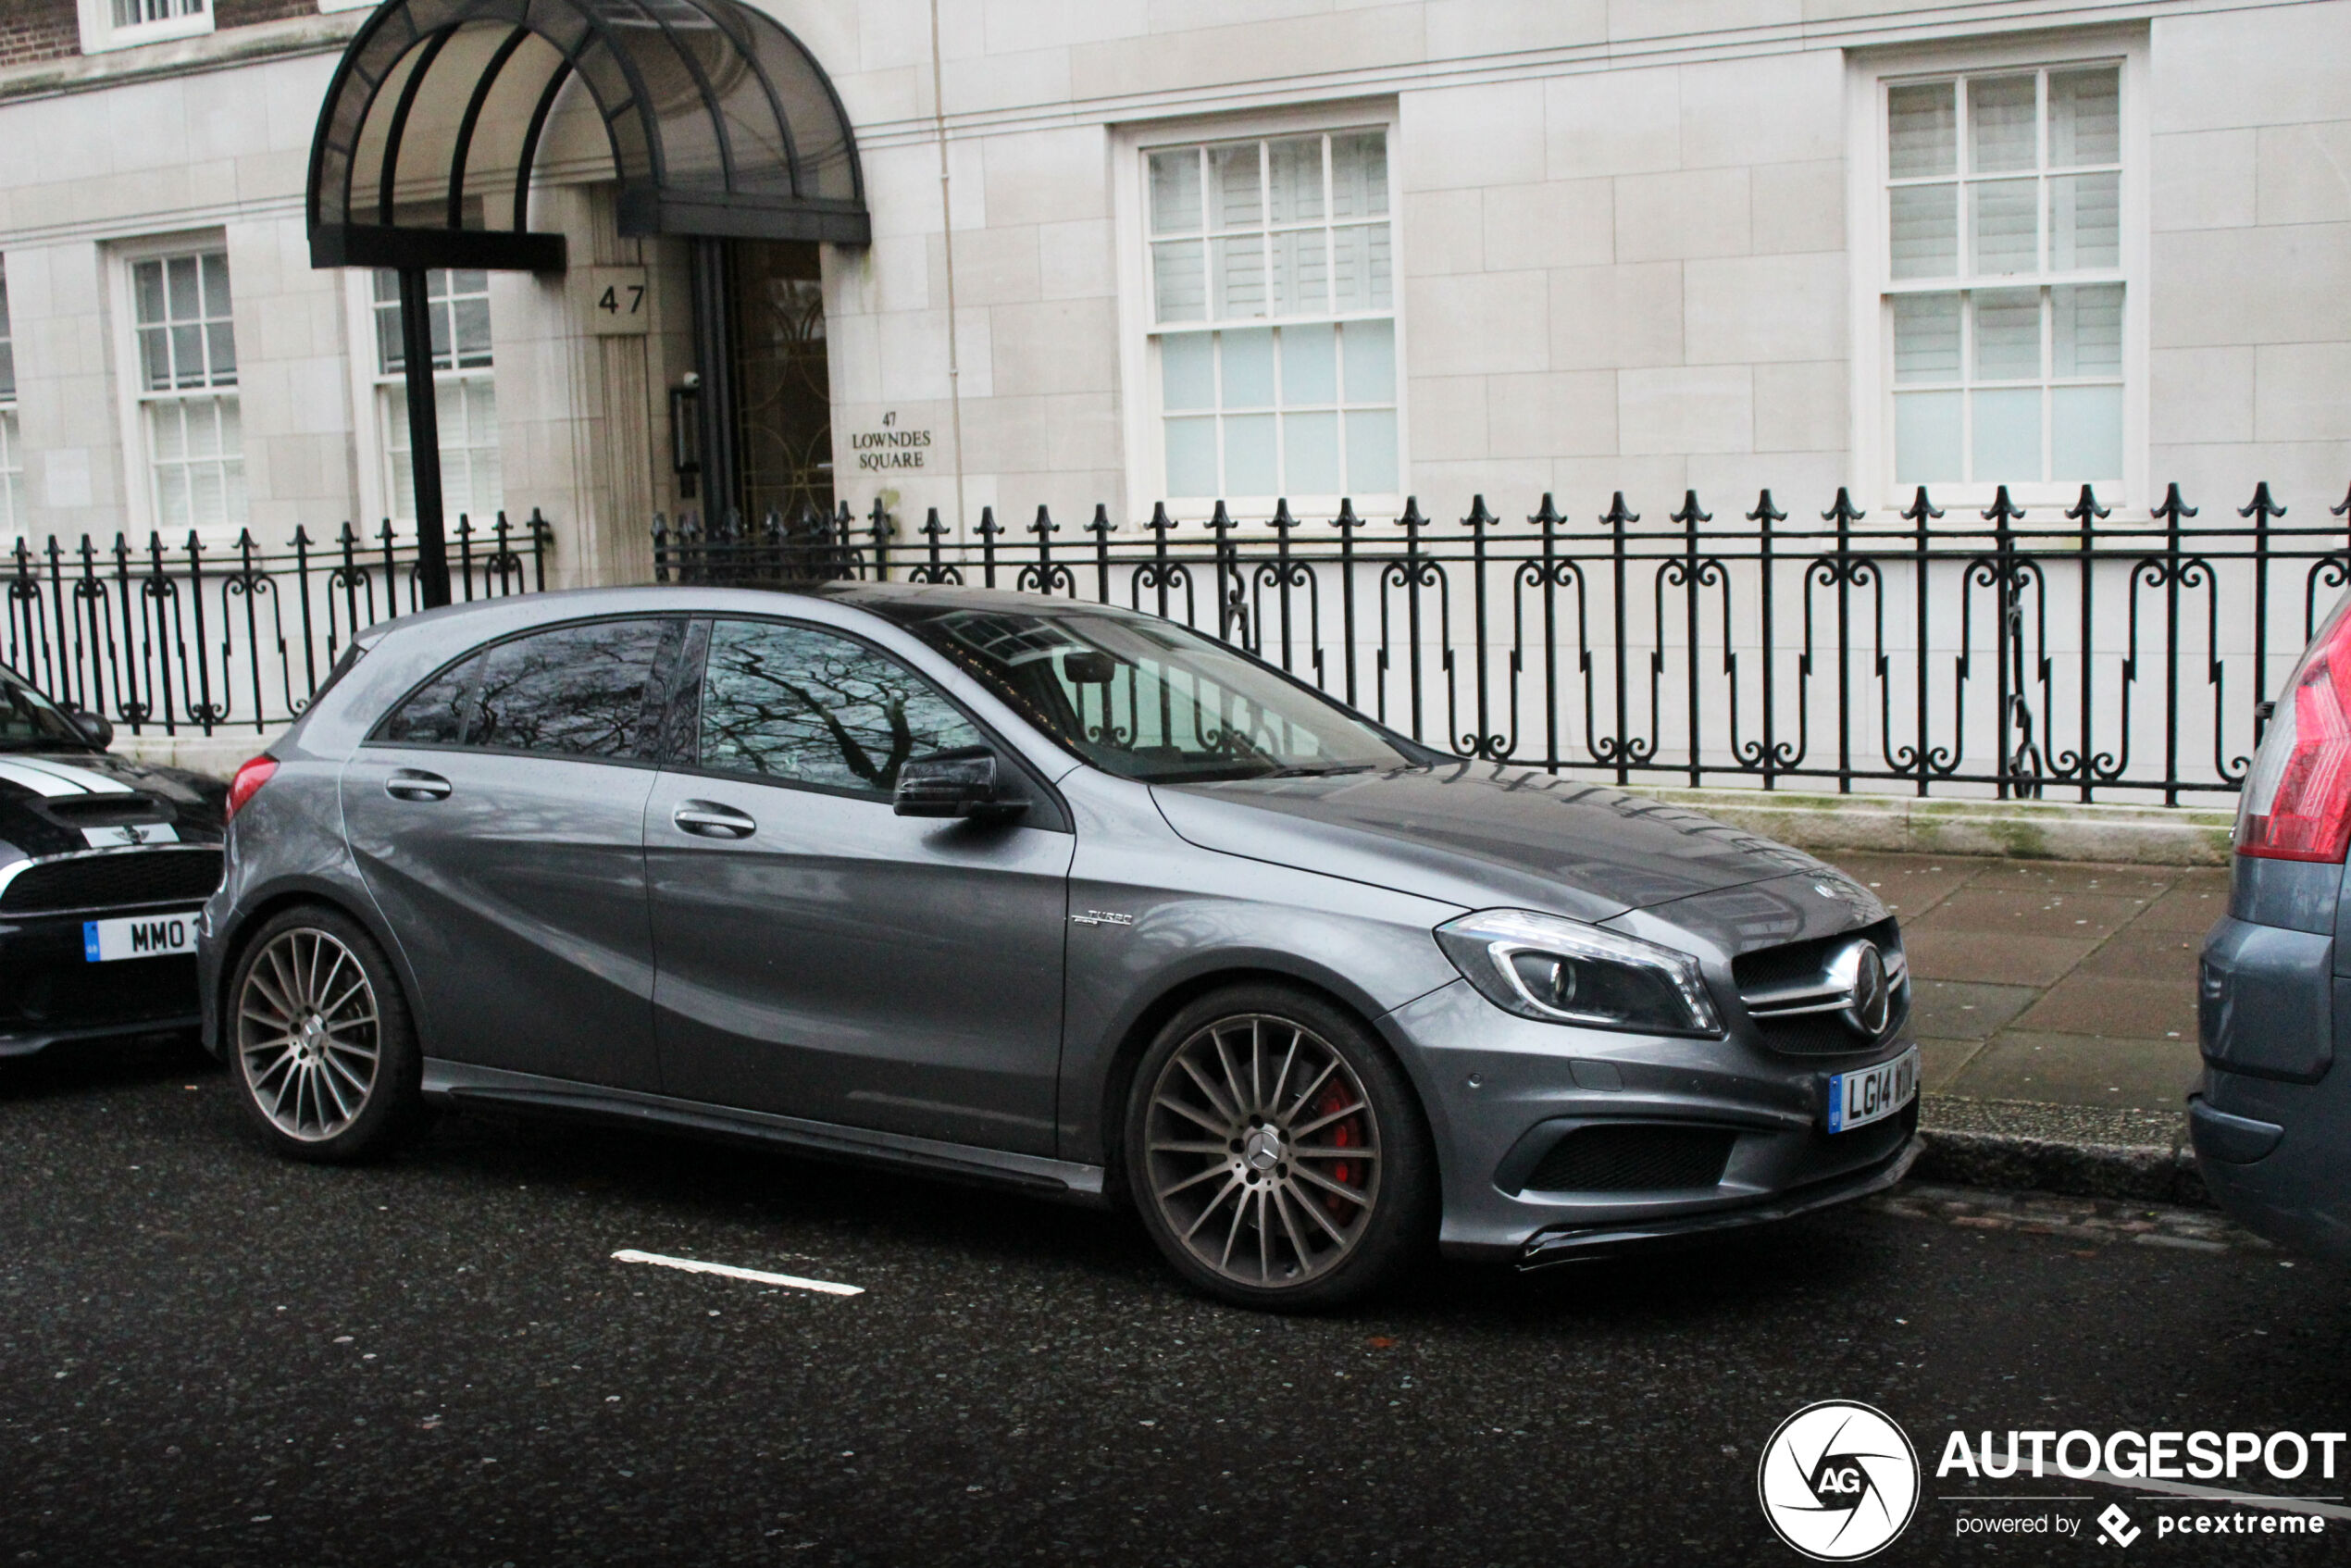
1046 1178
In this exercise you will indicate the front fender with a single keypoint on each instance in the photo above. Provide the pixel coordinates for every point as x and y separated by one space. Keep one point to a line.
1152 915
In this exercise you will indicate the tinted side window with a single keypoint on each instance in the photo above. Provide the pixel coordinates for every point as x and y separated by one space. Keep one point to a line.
434 713
804 706
572 691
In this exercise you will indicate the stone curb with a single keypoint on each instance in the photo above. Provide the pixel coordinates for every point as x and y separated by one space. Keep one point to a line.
2005 1161
2140 835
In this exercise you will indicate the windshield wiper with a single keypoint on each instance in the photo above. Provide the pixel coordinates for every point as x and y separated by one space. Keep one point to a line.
1318 772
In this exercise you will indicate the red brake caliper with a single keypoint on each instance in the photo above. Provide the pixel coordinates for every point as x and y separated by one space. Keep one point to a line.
1340 1135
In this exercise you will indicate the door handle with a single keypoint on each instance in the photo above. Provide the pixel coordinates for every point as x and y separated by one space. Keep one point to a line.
711 821
415 784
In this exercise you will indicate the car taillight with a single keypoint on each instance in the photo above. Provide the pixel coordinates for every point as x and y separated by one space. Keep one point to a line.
2297 800
249 780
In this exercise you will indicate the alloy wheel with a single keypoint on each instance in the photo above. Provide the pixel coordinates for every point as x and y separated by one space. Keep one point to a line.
307 1034
1263 1151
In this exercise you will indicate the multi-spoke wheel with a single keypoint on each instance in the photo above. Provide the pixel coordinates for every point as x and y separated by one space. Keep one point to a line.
1273 1151
321 1038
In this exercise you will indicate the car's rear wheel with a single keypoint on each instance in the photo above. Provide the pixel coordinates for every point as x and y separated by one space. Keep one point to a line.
323 1049
1276 1151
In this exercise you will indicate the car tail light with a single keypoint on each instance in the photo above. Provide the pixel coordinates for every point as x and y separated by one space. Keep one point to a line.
2297 800
249 780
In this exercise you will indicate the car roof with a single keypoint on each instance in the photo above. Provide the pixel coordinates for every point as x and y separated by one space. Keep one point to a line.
896 601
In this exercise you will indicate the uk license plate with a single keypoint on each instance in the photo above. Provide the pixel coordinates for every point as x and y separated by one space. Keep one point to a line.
1872 1094
139 936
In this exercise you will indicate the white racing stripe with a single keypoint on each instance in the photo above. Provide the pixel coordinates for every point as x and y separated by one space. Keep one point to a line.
694 1265
2188 1492
34 779
54 779
89 778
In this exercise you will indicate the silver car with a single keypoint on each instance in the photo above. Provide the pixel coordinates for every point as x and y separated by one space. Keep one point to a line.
2271 1119
1050 894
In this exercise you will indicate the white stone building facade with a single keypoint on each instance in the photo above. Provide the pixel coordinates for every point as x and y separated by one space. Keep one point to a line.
1261 250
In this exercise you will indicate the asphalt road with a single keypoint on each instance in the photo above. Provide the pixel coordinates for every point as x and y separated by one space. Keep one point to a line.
210 1356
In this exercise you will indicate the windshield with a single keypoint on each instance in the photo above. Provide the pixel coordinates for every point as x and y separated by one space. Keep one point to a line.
1151 700
29 719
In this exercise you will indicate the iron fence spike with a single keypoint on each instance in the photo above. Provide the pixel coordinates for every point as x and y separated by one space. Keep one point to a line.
2174 508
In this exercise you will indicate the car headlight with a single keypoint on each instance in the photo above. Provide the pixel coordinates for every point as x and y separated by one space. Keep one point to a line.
1542 967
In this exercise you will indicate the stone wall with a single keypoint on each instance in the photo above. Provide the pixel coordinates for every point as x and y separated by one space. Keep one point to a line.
2251 354
1626 249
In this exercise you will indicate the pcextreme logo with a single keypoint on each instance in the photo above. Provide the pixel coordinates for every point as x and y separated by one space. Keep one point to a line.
1838 1480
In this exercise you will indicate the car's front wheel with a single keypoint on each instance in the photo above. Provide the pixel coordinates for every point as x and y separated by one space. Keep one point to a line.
1276 1151
323 1049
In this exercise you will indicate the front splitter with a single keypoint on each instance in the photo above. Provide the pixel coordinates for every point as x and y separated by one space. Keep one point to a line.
1549 1247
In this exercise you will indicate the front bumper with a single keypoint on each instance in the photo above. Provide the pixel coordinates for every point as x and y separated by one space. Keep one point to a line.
50 994
1571 1245
1501 1092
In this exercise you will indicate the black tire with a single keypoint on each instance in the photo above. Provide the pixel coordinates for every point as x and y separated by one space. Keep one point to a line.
1255 1241
298 1059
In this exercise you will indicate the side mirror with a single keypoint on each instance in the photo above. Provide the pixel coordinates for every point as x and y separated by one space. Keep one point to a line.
94 727
958 782
1088 668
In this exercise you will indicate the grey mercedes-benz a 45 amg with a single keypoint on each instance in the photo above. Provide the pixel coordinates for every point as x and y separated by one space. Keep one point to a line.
1051 894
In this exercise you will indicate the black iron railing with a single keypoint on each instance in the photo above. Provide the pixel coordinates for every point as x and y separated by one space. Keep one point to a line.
193 639
1961 650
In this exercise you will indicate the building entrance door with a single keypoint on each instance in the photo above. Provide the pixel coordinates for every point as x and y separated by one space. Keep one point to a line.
766 403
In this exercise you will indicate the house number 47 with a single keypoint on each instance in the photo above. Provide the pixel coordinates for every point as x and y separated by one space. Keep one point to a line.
617 301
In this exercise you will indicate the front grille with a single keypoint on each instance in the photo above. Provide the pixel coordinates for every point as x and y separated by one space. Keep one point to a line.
1798 1007
1633 1159
113 880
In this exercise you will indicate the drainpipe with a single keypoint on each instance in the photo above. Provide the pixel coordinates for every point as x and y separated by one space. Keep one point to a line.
947 232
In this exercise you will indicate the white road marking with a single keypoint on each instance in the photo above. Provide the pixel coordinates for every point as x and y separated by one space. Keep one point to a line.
694 1265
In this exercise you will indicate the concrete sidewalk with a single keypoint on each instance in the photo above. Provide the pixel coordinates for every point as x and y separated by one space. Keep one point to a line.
2055 1007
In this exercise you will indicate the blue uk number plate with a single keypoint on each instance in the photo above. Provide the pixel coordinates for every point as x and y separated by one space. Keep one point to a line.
139 936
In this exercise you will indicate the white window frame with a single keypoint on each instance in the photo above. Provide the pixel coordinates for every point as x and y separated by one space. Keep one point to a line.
13 502
101 32
1146 476
1868 78
139 499
371 439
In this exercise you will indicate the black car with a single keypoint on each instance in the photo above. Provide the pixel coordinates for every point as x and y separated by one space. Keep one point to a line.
103 864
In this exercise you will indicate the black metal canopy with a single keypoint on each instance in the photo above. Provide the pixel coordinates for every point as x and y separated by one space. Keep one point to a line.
720 123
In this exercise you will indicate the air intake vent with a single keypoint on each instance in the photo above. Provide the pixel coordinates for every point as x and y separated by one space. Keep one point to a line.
112 881
1634 1158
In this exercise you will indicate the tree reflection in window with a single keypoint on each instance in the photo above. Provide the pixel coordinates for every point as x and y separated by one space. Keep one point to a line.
576 691
794 703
